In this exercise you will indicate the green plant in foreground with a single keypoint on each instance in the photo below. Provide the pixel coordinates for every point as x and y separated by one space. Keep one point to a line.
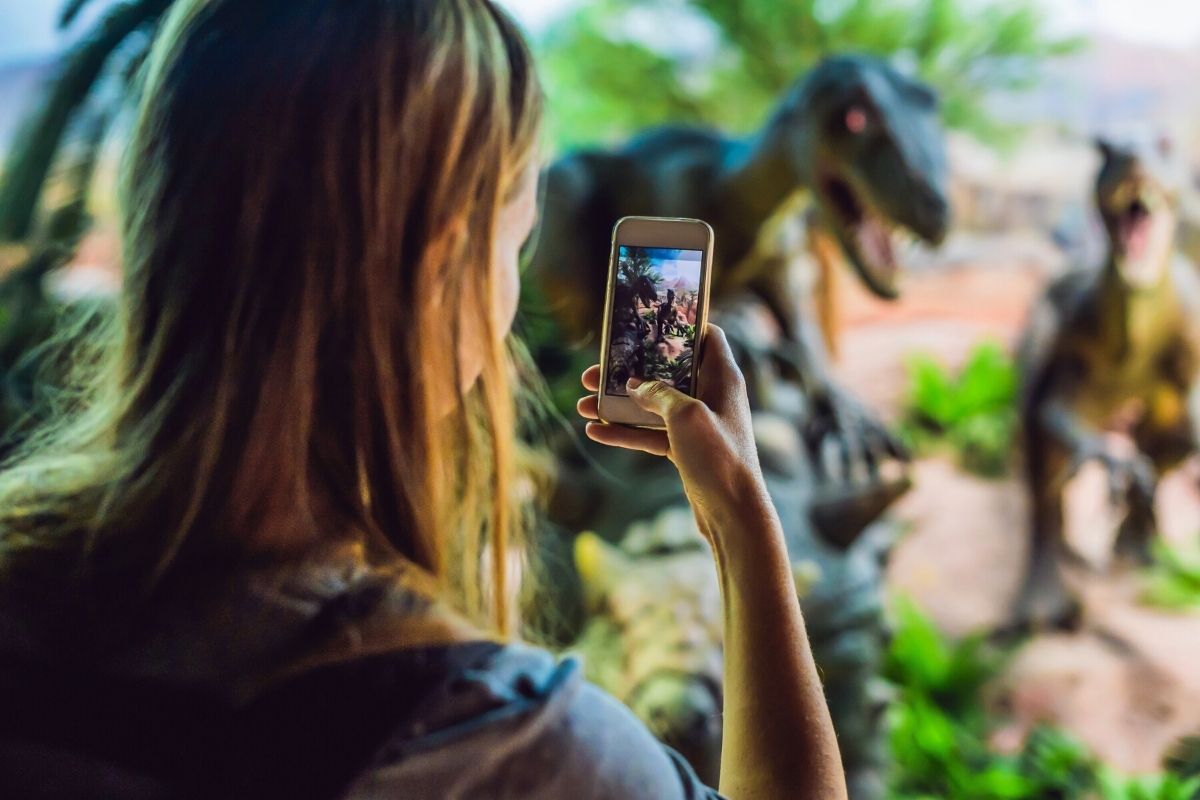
940 727
1173 581
1153 787
972 412
938 724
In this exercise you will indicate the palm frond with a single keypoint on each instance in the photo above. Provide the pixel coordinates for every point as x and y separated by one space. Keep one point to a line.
67 224
70 12
32 155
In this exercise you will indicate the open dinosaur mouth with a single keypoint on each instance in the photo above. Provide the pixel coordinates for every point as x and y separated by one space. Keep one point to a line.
868 237
1142 227
1134 225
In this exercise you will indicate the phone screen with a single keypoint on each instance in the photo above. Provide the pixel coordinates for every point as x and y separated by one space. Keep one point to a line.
656 302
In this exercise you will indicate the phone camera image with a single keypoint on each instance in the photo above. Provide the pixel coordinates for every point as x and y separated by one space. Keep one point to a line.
655 304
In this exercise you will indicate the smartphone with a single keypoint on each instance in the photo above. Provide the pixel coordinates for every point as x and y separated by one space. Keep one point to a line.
655 310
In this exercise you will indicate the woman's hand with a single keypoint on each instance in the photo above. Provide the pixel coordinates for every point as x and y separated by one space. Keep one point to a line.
709 439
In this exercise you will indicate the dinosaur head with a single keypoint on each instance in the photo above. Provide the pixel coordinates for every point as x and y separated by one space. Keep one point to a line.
644 289
869 142
1137 203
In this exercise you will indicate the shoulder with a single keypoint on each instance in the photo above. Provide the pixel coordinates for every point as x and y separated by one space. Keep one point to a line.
523 724
1066 306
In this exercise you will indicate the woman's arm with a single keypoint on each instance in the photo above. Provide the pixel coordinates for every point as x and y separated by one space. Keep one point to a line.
778 737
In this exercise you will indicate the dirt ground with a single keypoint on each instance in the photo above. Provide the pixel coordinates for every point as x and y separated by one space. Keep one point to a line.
1126 683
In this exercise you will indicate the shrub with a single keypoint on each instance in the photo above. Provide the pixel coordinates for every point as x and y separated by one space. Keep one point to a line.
1173 581
940 727
973 412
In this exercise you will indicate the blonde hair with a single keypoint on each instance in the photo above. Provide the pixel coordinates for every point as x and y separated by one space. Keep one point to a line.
310 194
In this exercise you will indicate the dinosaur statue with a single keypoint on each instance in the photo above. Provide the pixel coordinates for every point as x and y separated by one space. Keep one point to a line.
643 290
630 329
1110 348
855 137
665 318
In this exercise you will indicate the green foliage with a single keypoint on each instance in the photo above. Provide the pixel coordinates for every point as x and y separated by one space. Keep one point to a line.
664 368
637 265
81 71
1058 763
611 69
938 724
950 674
940 728
974 412
1173 581
1152 787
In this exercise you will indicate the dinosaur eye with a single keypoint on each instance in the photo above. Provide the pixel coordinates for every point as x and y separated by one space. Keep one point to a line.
856 119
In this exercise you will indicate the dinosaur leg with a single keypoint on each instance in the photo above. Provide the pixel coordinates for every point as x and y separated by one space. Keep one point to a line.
1044 600
1165 448
1138 528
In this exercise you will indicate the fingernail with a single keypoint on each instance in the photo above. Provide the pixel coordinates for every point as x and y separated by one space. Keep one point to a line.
633 383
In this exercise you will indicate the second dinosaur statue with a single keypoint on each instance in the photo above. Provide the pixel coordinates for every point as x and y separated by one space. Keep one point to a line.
1115 348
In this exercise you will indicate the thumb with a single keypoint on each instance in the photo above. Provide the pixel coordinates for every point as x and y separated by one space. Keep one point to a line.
657 397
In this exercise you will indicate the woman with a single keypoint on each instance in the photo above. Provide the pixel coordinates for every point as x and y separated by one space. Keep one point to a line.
270 548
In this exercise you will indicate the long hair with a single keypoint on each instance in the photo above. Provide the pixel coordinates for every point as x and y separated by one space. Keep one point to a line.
309 201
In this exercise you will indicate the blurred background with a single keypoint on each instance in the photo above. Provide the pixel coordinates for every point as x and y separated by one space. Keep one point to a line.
1025 87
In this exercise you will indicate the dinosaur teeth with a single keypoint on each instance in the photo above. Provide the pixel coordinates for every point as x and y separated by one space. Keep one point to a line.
904 244
876 245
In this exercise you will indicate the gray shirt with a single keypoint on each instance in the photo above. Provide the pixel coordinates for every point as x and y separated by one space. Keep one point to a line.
524 725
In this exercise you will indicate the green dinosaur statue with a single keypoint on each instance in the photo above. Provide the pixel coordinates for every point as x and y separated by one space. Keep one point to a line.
862 139
853 139
1112 347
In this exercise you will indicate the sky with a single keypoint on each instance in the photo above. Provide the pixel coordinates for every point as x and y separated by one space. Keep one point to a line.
680 273
27 26
679 268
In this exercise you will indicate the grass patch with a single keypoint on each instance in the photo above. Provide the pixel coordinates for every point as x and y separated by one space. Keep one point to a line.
940 727
1173 581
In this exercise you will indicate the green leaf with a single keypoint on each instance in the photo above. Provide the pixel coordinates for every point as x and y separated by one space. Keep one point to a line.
939 732
1173 580
974 411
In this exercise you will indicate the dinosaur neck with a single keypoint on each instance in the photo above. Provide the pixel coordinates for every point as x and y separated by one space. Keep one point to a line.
1132 315
759 174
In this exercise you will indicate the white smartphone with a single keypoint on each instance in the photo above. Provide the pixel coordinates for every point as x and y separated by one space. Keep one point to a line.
655 310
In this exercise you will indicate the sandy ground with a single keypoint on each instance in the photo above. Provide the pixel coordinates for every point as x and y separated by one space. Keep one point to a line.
1126 683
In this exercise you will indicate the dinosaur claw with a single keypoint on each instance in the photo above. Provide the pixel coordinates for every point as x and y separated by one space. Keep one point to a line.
841 517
